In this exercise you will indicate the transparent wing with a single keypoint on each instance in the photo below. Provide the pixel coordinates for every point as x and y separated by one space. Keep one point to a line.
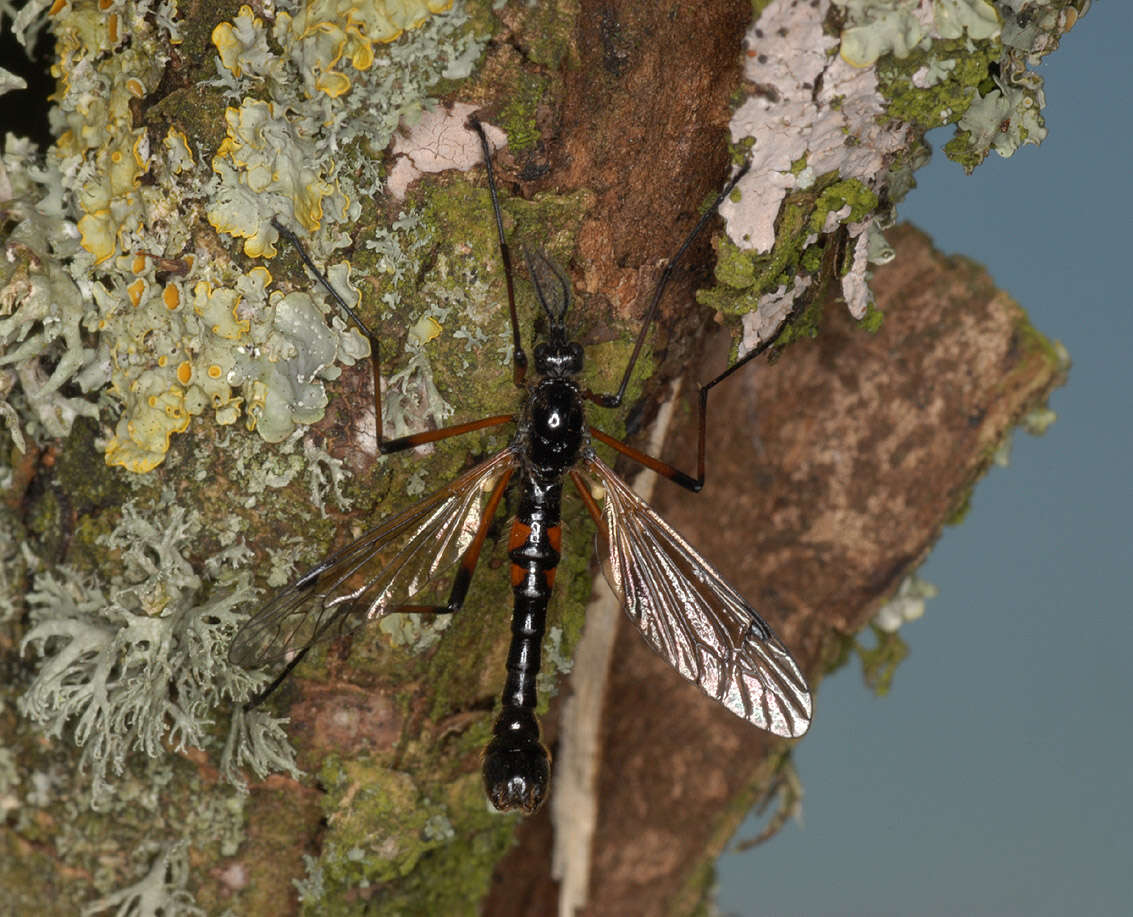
373 576
691 616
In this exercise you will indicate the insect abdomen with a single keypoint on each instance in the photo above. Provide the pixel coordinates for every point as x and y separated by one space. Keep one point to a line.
516 764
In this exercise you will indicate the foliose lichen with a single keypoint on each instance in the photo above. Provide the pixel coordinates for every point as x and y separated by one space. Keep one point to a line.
108 283
160 892
908 604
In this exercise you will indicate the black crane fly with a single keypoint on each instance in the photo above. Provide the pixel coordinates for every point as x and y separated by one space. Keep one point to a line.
685 609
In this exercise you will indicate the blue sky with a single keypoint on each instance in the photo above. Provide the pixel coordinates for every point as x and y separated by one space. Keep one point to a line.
996 777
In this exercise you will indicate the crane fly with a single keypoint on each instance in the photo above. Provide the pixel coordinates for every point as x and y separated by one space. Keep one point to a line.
685 609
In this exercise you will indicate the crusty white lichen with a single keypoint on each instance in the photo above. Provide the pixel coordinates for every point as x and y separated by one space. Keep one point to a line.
841 93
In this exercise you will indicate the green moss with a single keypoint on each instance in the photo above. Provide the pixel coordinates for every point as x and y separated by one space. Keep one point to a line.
735 267
744 277
880 661
378 821
836 195
960 67
518 115
961 150
405 848
963 506
873 319
1034 341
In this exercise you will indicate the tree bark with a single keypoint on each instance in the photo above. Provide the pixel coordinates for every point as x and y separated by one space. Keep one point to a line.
830 475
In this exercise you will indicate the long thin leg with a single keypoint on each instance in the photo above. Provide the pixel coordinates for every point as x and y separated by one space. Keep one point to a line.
431 436
615 399
830 262
460 583
385 446
519 357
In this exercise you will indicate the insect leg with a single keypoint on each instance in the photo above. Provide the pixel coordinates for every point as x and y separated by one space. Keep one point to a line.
430 436
588 500
614 400
830 262
519 357
385 446
468 560
457 594
260 696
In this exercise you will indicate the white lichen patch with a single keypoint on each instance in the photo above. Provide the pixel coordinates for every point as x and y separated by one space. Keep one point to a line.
828 107
908 604
835 129
439 141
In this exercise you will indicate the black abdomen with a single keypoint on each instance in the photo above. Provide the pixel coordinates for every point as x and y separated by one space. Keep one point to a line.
516 764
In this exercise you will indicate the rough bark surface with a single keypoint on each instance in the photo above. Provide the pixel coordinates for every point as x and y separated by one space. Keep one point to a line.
831 473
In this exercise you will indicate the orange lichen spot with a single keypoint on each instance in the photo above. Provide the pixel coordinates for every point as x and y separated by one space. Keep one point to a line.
215 371
136 289
136 87
139 263
363 57
152 400
171 296
185 372
112 28
57 7
105 4
162 360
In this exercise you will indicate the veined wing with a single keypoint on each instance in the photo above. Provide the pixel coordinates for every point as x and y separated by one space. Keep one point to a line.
373 576
693 618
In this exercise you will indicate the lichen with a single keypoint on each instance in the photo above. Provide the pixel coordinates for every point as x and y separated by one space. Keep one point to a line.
173 331
160 892
845 92
140 665
908 604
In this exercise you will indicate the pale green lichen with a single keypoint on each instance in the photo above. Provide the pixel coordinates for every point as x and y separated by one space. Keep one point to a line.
161 892
140 666
878 27
1002 120
908 604
383 824
41 306
174 331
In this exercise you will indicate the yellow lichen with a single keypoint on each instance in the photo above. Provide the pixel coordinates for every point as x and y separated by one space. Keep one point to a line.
219 310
